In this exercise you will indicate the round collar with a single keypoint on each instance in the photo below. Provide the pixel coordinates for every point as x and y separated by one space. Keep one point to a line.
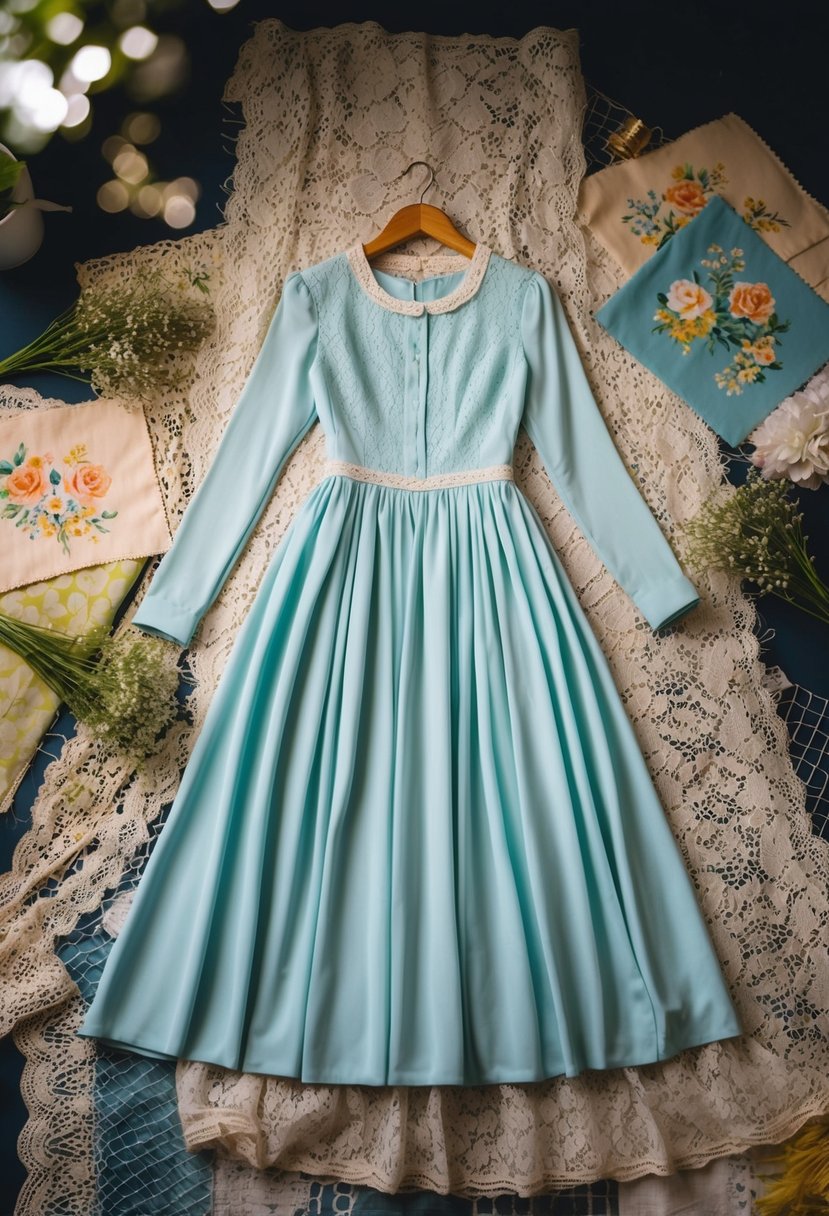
469 284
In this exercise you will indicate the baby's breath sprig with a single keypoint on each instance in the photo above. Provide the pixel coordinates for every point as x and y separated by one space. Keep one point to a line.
122 688
127 337
756 531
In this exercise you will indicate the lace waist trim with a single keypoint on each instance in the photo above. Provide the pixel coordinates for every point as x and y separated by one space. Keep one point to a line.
401 481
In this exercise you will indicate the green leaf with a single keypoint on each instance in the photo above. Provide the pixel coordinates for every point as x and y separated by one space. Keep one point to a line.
6 466
108 514
776 366
19 454
689 173
54 477
696 276
10 510
661 297
10 171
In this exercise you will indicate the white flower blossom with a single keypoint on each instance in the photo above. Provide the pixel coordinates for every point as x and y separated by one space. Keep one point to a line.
793 441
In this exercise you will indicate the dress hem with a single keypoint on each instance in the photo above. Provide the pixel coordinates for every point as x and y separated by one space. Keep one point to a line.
510 1078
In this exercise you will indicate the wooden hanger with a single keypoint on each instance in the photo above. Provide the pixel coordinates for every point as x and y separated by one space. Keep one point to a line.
419 219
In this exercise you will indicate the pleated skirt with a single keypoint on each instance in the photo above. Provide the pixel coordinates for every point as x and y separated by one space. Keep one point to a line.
416 842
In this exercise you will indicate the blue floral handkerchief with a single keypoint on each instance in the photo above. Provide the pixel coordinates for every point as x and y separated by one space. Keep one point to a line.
723 321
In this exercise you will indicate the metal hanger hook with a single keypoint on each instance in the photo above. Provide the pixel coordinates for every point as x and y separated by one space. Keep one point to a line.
431 181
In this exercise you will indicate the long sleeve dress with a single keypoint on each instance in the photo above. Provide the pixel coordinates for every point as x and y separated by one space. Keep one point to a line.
416 841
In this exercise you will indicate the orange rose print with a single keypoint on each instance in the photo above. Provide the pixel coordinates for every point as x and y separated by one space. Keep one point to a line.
751 300
687 196
44 500
26 483
88 481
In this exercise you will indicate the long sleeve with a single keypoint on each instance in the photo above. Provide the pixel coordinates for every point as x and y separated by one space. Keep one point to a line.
275 409
563 420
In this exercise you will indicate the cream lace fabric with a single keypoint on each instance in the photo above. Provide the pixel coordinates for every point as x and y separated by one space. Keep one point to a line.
332 118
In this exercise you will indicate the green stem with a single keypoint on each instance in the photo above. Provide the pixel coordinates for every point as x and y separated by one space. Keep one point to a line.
819 616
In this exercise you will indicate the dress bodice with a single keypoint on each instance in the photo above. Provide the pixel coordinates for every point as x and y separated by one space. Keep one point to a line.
419 377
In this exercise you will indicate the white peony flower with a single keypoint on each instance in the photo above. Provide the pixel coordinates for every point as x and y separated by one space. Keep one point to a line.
793 441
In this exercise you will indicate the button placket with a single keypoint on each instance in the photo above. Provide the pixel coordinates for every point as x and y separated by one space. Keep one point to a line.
421 330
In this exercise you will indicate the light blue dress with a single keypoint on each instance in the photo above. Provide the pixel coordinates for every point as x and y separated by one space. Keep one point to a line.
416 842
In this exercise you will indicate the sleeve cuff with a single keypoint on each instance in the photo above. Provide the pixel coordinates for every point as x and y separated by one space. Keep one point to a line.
666 603
165 620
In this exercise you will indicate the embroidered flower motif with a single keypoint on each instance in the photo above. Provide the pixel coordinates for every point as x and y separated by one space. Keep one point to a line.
752 300
30 491
760 218
732 314
25 484
761 351
88 481
655 219
689 299
686 196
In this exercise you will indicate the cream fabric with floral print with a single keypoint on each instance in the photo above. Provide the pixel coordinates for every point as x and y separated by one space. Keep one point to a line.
635 207
77 488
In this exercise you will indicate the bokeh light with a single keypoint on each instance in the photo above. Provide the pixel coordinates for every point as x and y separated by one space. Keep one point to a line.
142 127
129 12
64 28
91 63
149 201
138 42
162 72
130 165
49 111
58 56
77 110
179 211
113 196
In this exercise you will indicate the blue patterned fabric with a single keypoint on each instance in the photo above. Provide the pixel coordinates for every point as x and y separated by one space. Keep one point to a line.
722 320
416 842
142 1167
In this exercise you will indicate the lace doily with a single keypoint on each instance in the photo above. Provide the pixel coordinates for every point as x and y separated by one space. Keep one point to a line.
500 119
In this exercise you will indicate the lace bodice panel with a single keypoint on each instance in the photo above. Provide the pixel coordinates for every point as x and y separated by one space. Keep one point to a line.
419 393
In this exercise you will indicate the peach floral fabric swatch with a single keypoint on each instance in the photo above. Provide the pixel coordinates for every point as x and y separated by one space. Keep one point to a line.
77 488
637 206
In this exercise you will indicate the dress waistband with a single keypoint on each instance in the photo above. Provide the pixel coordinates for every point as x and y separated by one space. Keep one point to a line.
400 481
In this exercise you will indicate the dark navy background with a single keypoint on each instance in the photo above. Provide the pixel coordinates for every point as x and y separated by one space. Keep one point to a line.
674 66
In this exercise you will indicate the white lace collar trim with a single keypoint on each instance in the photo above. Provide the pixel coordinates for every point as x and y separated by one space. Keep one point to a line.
464 291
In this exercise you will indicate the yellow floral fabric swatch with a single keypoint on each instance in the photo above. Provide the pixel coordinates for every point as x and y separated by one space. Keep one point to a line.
74 603
637 206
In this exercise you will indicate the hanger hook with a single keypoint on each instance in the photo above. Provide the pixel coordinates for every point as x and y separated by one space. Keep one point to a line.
431 181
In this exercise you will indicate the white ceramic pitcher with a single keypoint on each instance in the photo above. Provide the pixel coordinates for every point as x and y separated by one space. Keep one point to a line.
21 230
